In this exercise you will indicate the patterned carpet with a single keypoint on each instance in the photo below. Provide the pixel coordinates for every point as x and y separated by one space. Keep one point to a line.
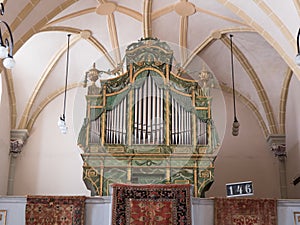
55 210
235 211
151 204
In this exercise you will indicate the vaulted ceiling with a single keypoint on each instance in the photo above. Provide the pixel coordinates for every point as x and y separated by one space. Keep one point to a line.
264 47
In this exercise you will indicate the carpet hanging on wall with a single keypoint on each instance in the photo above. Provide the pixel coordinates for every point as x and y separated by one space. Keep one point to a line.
55 210
160 204
243 211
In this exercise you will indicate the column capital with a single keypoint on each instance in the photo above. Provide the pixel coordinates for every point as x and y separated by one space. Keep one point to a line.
18 138
277 145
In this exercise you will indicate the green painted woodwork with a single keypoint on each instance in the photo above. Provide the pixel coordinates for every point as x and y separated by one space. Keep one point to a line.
106 163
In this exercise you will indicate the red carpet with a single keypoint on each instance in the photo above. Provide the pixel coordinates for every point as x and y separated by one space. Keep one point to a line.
55 210
235 211
151 204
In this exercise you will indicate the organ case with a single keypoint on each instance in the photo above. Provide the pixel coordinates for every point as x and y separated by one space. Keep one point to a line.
147 125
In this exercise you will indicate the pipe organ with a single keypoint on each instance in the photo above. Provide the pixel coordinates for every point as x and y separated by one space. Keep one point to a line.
147 125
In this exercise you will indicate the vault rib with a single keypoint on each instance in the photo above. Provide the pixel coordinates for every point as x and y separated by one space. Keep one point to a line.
23 14
36 28
251 106
268 37
100 47
25 115
297 6
45 102
129 12
11 96
256 82
248 68
69 16
162 12
283 100
183 38
283 29
121 9
220 16
114 37
147 21
211 39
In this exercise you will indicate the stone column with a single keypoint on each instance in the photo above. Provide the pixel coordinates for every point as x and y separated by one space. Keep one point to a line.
278 147
17 141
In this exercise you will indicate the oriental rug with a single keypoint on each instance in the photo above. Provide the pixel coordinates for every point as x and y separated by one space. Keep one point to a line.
160 204
235 211
55 210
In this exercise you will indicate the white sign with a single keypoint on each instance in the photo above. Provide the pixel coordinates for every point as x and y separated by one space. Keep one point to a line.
239 189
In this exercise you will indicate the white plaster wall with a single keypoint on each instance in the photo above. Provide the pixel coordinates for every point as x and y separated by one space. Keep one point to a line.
98 210
293 137
15 209
202 211
288 211
4 136
50 163
245 157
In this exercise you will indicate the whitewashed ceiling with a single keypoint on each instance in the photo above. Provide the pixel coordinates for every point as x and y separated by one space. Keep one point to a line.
264 44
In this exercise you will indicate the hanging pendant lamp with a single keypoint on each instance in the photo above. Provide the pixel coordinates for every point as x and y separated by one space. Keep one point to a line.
62 119
236 124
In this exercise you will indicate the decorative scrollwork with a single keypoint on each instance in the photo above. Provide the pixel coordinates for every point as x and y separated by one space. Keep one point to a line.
149 52
148 163
116 84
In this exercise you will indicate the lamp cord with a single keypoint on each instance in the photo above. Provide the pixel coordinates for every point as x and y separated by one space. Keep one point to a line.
232 76
6 42
67 73
298 50
2 9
